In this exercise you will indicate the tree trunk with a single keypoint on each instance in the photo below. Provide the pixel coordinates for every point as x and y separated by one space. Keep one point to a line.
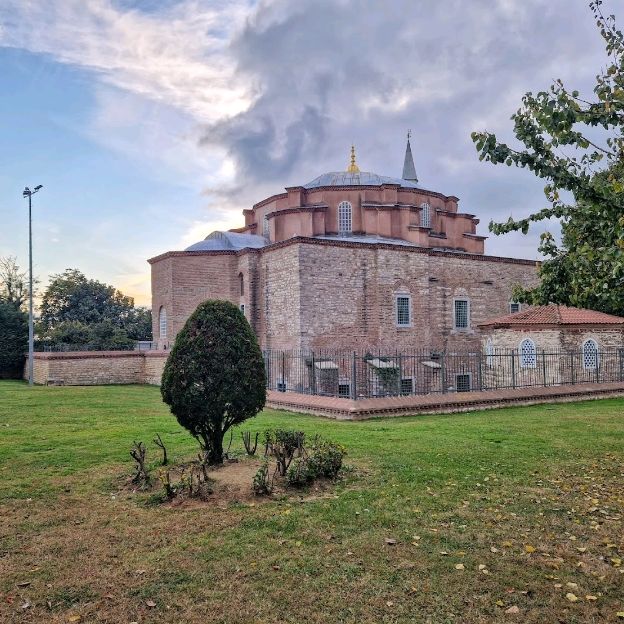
213 449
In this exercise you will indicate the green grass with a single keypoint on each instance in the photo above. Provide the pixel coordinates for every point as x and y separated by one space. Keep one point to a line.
463 484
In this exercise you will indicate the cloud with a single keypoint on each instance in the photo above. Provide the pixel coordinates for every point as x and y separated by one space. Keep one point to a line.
266 94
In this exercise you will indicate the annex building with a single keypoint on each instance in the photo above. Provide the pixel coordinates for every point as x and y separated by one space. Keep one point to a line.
351 260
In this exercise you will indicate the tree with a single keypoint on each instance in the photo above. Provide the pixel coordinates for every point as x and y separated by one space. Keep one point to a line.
13 282
576 145
13 340
80 311
214 377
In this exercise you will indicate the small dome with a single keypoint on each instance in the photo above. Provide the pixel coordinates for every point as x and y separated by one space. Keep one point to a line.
228 241
360 178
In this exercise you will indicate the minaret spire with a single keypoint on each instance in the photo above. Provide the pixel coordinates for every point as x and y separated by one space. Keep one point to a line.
353 168
409 171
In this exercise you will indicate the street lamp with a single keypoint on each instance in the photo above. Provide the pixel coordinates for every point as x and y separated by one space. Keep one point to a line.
31 327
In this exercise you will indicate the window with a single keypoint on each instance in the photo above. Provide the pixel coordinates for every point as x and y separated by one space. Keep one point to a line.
403 312
344 218
344 390
162 322
425 215
462 382
266 232
241 283
489 353
590 355
461 314
407 385
281 386
528 354
242 308
514 307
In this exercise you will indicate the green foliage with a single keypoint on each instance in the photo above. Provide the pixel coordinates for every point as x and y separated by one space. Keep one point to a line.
555 127
78 311
326 458
214 377
300 473
283 444
261 484
13 340
13 283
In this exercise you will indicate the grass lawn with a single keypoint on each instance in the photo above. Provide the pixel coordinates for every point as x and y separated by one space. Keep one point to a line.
492 512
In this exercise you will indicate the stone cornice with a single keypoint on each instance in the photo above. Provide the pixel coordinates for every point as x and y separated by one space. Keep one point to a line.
309 208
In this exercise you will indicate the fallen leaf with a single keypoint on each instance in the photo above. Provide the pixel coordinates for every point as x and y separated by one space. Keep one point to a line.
528 548
512 610
74 618
390 603
590 598
571 597
460 566
150 603
390 541
572 585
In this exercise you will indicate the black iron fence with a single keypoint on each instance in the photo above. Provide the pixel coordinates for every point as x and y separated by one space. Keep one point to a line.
360 375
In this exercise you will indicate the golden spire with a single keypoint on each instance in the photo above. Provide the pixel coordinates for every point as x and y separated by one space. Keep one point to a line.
353 168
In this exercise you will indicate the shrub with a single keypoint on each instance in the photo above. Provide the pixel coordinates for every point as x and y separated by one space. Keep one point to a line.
326 457
214 376
13 341
300 473
261 485
283 444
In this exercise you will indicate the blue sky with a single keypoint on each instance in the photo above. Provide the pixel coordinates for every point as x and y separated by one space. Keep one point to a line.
152 123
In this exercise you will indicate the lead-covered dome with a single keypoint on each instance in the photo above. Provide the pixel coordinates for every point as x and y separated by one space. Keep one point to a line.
357 178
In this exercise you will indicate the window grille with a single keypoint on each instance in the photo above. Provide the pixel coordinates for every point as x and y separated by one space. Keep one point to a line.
462 382
241 282
489 353
590 355
461 314
344 218
242 308
514 307
407 385
266 232
403 316
162 322
344 390
425 215
528 354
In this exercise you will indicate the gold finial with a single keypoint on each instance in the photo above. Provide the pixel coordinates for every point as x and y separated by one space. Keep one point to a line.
353 168
409 134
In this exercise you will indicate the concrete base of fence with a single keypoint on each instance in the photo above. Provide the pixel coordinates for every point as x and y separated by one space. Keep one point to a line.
348 409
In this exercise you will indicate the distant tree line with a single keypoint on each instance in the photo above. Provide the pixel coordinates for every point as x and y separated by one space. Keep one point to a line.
74 312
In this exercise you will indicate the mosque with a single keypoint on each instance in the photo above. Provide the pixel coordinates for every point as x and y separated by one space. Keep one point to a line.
351 260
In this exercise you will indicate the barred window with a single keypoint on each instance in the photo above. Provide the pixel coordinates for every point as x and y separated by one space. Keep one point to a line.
462 382
344 390
407 385
489 353
242 308
514 307
461 314
528 354
403 312
425 215
162 322
241 284
590 355
344 218
266 232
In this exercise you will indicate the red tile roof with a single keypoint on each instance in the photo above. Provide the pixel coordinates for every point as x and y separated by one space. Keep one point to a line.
554 315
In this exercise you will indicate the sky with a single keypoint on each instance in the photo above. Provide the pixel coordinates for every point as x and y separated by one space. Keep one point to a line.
151 123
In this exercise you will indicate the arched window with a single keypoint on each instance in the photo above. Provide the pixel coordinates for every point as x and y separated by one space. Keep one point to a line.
266 232
489 353
344 218
162 322
528 354
590 355
241 284
425 215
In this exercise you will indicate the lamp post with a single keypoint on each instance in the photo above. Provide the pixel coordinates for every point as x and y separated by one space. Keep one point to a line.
31 326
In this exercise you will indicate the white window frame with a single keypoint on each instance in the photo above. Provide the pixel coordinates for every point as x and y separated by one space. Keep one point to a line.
345 217
162 322
528 360
403 295
469 375
455 326
425 215
596 363
514 303
489 353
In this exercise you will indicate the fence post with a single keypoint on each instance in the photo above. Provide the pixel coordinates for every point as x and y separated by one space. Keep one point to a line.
597 367
513 368
572 375
400 375
480 370
621 358
443 372
354 377
313 374
544 367
283 371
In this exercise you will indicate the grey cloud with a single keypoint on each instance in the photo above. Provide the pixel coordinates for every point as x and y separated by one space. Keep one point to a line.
328 73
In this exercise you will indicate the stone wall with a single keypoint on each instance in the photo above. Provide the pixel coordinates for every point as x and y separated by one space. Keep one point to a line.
93 368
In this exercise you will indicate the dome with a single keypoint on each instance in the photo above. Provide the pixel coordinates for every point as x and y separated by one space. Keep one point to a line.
228 241
359 178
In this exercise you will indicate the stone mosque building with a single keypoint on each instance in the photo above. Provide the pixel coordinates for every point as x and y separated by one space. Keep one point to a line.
350 260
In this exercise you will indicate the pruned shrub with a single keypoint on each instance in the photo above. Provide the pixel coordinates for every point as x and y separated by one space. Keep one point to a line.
214 377
283 445
300 473
325 459
261 484
250 448
13 341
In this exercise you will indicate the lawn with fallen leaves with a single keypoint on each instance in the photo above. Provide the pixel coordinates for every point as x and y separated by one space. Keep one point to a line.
513 515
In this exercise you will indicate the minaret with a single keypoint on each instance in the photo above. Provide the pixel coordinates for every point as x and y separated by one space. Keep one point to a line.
409 171
353 168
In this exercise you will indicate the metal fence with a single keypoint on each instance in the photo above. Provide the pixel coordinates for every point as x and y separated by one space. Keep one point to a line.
361 375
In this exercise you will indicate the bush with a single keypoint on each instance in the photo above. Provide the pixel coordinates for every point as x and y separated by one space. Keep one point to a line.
300 473
214 376
261 484
283 444
13 341
326 457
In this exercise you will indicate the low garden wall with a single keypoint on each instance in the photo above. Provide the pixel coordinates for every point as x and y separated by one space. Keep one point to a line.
93 368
